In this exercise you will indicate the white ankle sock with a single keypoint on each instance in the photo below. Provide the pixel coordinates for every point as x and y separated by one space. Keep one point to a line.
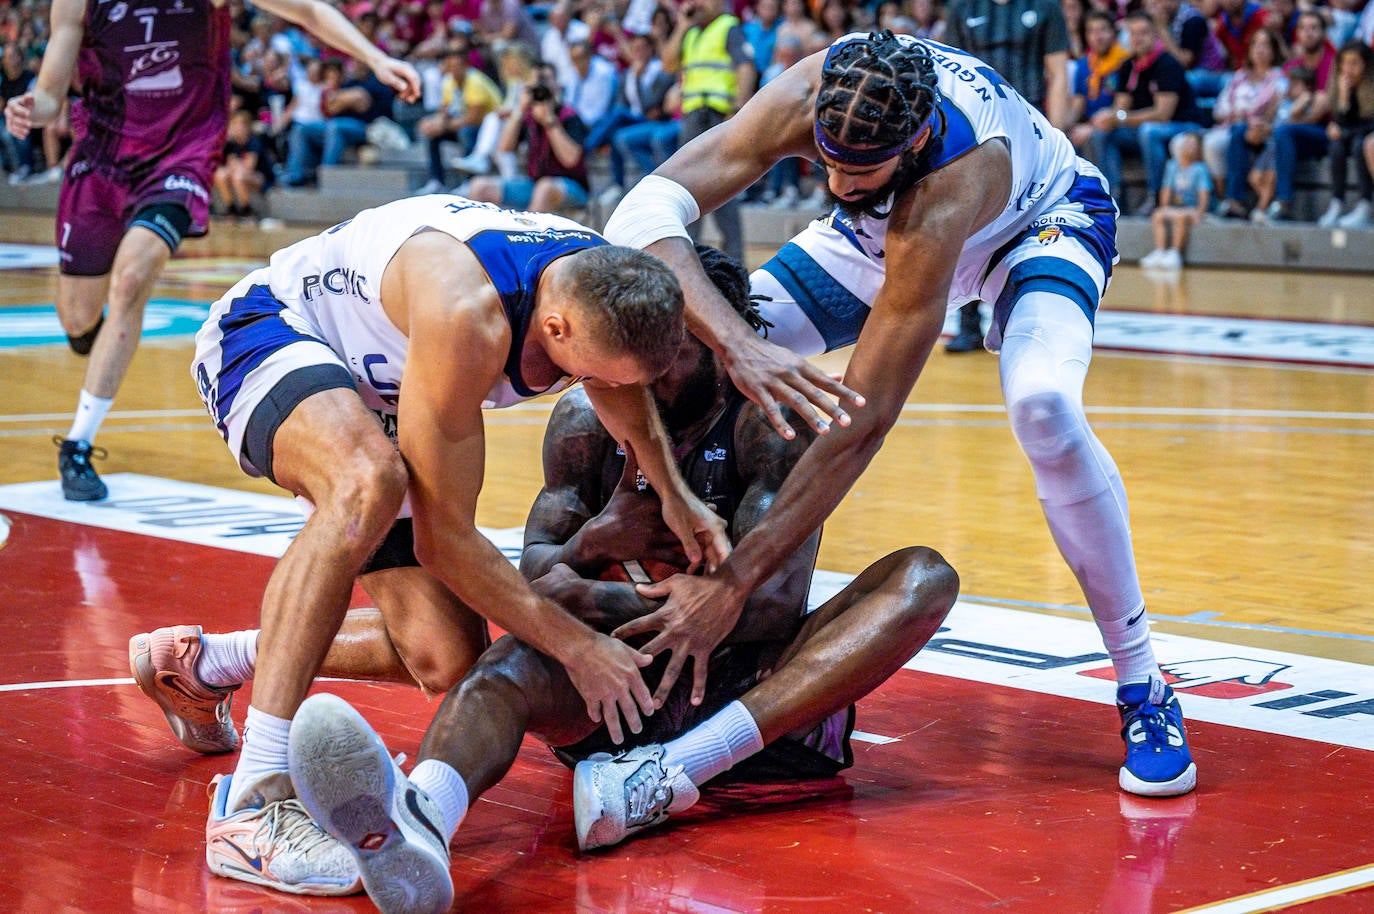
446 788
715 745
227 660
263 752
1128 642
90 412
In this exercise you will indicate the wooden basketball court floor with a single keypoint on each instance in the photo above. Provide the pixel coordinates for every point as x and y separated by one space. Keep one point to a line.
985 775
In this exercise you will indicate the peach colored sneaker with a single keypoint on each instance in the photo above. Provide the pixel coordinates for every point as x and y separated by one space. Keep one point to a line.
275 843
164 665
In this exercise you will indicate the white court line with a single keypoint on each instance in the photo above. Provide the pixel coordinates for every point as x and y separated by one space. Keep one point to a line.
1294 894
61 684
865 737
547 406
860 735
495 419
110 429
1153 426
117 414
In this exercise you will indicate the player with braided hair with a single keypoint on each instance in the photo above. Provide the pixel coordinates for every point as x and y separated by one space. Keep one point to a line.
874 94
952 186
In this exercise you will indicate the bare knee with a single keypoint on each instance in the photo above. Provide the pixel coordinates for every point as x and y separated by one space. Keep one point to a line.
485 190
363 503
439 667
129 288
928 583
503 672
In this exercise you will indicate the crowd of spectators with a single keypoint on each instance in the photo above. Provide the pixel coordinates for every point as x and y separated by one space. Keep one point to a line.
533 103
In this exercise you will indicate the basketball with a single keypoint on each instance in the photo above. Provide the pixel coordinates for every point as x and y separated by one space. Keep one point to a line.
642 571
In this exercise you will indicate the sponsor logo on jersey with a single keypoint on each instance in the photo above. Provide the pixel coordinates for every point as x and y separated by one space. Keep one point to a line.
159 57
338 281
181 182
1049 235
713 453
545 235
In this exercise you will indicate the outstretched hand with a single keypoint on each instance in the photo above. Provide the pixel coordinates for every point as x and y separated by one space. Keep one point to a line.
774 377
400 76
698 614
608 679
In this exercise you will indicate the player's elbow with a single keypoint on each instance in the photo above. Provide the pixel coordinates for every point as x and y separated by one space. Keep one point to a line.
429 545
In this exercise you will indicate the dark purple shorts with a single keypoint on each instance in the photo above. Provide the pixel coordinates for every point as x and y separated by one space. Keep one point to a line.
94 211
734 669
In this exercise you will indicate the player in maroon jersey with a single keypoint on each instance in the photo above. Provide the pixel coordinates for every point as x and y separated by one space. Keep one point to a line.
149 124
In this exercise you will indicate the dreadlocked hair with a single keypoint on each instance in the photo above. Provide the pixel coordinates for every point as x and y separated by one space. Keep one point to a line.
876 91
730 277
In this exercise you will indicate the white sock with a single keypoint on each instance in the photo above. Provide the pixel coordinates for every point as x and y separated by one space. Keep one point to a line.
446 788
227 660
1128 642
263 753
715 745
90 412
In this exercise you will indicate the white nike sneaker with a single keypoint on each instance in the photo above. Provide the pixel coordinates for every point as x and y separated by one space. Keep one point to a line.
618 796
274 843
348 782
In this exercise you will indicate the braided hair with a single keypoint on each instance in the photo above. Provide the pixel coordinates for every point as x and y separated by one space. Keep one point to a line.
732 280
875 91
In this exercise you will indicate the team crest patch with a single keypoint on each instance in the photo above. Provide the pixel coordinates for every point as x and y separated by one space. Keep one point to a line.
1049 234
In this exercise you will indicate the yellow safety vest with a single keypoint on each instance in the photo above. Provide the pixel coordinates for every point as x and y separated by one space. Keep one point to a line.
708 73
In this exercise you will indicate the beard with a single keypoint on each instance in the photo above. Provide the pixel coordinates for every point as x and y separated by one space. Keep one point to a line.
697 396
878 203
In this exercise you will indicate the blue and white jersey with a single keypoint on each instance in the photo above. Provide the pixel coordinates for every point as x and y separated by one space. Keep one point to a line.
977 105
329 285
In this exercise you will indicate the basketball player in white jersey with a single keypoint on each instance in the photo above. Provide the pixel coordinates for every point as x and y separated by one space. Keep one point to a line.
949 188
353 371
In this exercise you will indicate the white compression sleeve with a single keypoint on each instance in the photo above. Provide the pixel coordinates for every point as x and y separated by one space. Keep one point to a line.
654 209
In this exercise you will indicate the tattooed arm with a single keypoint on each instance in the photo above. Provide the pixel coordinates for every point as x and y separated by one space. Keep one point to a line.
575 521
573 531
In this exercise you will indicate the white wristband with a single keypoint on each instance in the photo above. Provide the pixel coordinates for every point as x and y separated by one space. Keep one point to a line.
654 209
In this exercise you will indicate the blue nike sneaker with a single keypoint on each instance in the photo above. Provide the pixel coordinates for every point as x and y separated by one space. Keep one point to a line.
1158 763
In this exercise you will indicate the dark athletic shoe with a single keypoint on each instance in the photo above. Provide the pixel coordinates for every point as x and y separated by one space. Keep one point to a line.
79 479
